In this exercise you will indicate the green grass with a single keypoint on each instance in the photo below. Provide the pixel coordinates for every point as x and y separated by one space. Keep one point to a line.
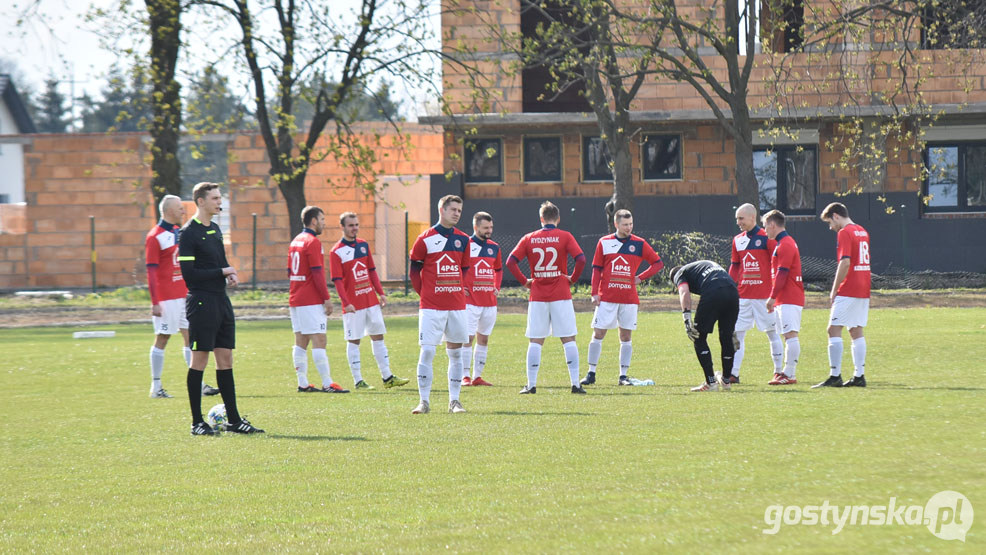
89 462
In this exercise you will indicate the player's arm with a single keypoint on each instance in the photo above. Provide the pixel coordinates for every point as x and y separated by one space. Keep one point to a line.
335 269
513 264
780 279
318 275
575 251
464 264
598 259
734 263
187 251
418 253
152 256
655 262
497 273
840 275
685 298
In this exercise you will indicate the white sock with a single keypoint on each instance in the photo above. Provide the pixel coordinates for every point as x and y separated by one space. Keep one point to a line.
300 359
793 352
595 349
454 373
776 349
425 360
187 353
572 359
859 356
835 356
465 353
533 363
738 356
322 364
626 353
352 353
479 361
157 367
383 359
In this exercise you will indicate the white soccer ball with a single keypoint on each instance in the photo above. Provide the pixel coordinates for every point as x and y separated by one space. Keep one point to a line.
217 416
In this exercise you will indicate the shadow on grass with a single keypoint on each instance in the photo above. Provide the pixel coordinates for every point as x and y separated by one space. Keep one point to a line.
525 413
905 387
318 438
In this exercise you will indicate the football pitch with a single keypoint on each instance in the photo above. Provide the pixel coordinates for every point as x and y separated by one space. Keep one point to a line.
89 462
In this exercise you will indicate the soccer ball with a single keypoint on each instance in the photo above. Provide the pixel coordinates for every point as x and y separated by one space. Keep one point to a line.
217 416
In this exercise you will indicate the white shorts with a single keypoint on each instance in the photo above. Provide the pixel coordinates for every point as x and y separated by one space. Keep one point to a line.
308 320
754 312
172 317
363 322
480 319
609 316
550 318
788 318
850 312
434 324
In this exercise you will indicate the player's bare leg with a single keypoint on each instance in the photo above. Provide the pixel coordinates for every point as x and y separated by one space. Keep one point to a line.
595 349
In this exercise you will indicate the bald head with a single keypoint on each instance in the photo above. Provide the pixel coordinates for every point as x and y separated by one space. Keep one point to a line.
171 208
746 217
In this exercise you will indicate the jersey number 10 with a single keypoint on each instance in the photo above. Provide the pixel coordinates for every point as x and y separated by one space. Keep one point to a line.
295 262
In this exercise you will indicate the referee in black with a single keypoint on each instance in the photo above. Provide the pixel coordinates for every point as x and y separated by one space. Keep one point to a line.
211 327
719 302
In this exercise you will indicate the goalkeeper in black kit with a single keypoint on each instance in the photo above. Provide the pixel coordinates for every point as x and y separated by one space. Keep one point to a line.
202 256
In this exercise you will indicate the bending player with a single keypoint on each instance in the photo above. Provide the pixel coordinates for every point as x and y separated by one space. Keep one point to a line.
614 290
440 260
309 302
354 275
550 310
486 275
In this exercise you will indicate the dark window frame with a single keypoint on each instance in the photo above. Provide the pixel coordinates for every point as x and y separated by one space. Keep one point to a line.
584 148
524 158
468 152
643 157
962 187
781 179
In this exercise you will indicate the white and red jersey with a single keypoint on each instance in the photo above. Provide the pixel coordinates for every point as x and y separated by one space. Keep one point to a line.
485 274
750 263
854 244
444 256
306 267
351 264
547 251
617 261
787 257
161 257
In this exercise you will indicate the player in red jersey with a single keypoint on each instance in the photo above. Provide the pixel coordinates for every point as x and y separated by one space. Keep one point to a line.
550 311
614 290
787 294
750 269
309 302
167 289
354 275
440 262
485 277
850 296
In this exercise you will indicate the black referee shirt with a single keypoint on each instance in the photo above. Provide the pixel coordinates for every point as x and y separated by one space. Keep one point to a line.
202 257
703 275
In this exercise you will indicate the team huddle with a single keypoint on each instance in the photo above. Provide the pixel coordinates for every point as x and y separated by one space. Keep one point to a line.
458 278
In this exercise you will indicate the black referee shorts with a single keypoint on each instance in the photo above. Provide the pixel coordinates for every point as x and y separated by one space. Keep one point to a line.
210 321
719 305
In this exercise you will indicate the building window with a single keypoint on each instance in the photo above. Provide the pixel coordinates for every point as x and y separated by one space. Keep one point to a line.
781 24
787 178
542 90
956 178
4 199
661 157
542 159
596 160
484 161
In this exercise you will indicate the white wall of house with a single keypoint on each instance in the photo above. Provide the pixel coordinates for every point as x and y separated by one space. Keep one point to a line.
11 159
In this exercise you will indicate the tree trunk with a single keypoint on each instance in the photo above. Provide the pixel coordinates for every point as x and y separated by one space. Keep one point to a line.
747 190
165 27
619 150
293 190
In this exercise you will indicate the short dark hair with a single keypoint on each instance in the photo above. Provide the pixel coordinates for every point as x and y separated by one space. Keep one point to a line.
775 216
835 209
309 213
202 189
345 216
481 217
549 212
621 214
442 202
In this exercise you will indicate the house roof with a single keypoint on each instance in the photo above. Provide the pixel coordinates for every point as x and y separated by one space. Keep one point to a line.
16 105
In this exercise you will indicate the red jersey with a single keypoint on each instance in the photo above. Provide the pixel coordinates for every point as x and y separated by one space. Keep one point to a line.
486 272
787 256
304 255
161 252
750 263
618 259
547 251
854 244
351 263
444 255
